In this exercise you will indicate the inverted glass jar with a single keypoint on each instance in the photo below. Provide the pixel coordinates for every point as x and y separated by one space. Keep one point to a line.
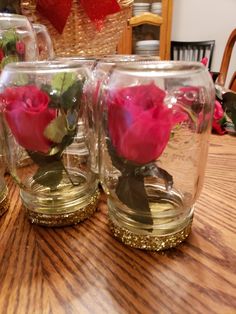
154 142
17 39
44 42
92 115
81 144
4 200
41 105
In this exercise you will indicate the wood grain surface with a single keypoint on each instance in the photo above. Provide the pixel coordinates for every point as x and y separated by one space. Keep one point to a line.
82 269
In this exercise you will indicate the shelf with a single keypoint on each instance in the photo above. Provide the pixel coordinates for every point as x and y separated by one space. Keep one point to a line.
146 18
163 29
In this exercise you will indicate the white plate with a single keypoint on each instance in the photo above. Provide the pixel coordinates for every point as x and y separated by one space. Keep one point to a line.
148 49
144 43
139 12
156 11
156 5
141 4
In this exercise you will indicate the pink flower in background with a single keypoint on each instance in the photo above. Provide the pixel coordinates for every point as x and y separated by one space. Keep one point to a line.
218 115
20 47
1 54
139 122
218 112
27 114
204 61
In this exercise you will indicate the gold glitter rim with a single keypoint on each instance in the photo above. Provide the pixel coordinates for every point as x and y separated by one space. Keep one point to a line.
65 219
149 242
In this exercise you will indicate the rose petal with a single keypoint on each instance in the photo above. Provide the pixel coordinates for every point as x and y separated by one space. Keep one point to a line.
145 140
27 114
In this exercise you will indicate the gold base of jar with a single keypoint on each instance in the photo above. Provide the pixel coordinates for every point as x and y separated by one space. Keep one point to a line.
4 201
64 219
150 242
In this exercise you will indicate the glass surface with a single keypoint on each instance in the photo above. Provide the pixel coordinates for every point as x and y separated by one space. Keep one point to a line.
100 71
156 121
81 143
17 39
4 201
41 105
44 42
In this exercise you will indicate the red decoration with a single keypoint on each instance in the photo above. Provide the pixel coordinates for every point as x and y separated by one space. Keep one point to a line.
57 11
98 10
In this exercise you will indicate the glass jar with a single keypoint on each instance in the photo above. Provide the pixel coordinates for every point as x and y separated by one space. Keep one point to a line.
41 104
82 144
154 140
92 116
4 200
17 39
44 42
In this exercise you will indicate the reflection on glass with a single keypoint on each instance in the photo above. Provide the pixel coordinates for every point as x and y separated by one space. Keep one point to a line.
44 42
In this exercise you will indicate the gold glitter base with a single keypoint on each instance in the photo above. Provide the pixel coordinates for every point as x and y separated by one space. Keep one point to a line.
64 219
149 242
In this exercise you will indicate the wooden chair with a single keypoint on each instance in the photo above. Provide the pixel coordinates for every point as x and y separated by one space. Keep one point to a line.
192 50
226 61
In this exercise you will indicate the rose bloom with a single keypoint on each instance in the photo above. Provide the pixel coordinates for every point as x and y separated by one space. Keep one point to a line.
27 114
139 122
20 47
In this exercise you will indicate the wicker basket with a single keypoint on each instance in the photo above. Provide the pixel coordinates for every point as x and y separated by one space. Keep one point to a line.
80 36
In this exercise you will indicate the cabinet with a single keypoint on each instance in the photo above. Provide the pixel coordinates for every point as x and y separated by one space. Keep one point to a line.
159 25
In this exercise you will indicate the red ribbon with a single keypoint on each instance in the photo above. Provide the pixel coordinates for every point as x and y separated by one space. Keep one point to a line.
57 11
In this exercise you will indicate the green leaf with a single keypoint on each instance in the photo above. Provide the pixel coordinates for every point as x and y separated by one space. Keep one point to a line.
130 187
10 37
71 98
68 139
131 191
56 129
49 174
53 95
62 81
50 169
42 159
9 59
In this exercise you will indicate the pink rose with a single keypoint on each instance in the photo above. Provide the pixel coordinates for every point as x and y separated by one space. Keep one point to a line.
139 122
218 111
1 54
218 115
204 61
20 47
27 115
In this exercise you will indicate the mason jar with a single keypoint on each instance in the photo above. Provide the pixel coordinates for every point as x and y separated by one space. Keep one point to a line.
41 104
4 199
156 122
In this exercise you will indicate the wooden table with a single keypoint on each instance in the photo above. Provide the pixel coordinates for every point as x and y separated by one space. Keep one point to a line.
82 269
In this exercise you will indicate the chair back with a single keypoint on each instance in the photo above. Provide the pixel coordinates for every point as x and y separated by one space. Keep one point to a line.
226 61
193 50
